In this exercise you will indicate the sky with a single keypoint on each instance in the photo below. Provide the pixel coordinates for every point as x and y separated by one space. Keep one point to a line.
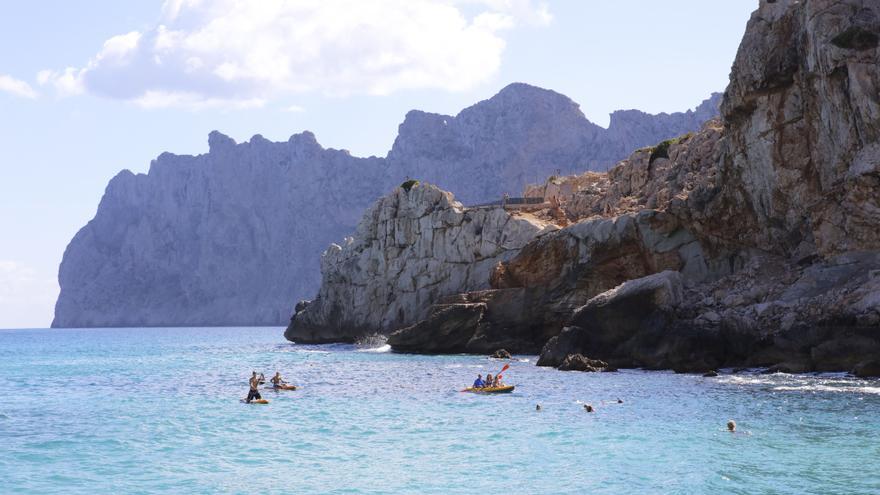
90 88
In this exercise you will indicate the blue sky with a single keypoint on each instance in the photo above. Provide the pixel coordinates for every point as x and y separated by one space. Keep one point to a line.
90 88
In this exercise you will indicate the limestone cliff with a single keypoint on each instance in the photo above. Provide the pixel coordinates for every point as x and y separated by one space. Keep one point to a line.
765 225
234 236
411 248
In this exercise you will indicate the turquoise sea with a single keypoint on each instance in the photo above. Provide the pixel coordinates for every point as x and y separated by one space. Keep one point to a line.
158 411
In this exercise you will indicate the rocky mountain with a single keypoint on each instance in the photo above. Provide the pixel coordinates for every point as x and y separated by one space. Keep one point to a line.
234 236
753 242
411 248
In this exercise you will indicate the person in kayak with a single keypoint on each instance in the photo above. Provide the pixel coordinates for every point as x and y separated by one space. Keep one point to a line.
254 392
479 383
277 381
490 382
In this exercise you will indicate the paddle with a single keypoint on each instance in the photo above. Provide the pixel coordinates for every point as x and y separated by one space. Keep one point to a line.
505 368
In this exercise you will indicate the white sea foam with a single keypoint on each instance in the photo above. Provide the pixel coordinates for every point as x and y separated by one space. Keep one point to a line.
382 348
825 382
830 388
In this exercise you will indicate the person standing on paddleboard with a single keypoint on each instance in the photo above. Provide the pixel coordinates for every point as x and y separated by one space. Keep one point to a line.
254 392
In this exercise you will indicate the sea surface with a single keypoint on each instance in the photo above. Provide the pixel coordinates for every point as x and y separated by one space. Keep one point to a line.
159 411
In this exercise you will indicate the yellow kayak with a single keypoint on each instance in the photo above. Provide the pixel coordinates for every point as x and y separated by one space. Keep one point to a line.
491 390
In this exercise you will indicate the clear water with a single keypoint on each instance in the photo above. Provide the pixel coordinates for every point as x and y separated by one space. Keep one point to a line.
158 411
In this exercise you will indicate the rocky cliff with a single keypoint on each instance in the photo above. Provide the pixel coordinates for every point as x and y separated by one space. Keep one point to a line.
233 236
411 248
753 242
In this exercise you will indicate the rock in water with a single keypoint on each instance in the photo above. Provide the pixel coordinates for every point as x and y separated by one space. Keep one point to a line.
867 369
234 236
577 362
501 354
413 247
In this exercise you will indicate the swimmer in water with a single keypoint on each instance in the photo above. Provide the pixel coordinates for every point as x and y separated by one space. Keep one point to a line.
537 407
589 408
731 426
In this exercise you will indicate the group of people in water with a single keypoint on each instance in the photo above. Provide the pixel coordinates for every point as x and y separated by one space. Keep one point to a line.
489 382
256 380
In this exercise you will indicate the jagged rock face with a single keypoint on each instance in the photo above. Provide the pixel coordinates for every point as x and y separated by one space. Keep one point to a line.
234 236
770 216
535 292
803 117
411 248
632 129
794 166
523 134
476 322
824 317
215 239
592 256
629 326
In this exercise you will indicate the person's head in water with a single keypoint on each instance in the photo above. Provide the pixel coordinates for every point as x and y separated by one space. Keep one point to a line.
588 408
537 407
731 425
619 401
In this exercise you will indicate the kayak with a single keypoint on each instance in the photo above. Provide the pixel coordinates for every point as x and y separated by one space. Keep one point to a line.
282 387
255 401
491 390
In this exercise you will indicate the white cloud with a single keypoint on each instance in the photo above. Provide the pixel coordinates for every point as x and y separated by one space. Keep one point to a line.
243 53
16 87
192 101
294 109
66 82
